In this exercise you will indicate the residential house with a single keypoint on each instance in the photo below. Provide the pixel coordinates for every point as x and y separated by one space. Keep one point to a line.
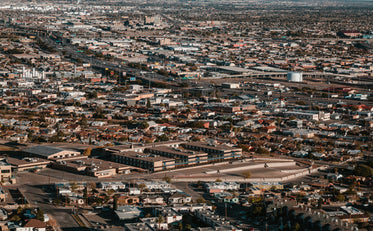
179 198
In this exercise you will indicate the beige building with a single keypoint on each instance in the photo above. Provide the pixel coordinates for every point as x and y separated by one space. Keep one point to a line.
27 163
5 171
92 167
49 152
182 157
151 162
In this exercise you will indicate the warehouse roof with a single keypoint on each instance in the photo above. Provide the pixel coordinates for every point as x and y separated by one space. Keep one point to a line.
46 151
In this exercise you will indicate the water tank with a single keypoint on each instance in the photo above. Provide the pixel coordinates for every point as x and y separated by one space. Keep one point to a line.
295 77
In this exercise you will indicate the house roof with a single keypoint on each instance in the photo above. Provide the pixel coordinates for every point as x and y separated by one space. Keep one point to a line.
179 194
35 224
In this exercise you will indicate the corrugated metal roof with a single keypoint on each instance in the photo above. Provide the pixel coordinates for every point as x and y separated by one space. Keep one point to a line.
43 150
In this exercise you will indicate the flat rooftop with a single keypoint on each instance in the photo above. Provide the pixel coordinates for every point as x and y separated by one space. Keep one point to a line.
90 162
128 147
26 161
234 69
219 147
177 151
144 156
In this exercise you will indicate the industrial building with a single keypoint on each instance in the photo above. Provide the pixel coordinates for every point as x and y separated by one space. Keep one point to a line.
27 163
93 167
295 77
165 156
302 115
182 157
150 162
215 152
48 152
230 85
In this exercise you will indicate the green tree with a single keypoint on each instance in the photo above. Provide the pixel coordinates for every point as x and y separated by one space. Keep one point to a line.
319 203
340 198
296 227
87 151
141 187
247 174
19 210
300 102
115 203
299 197
261 150
83 121
15 218
258 210
85 193
167 179
92 185
143 125
160 220
363 170
201 200
73 186
40 215
197 124
196 139
92 95
162 138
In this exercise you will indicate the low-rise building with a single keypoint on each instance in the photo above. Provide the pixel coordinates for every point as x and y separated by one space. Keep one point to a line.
214 220
182 157
2 195
302 115
140 226
216 187
150 162
169 214
156 185
27 163
215 152
93 167
179 198
152 200
49 152
128 212
5 171
111 185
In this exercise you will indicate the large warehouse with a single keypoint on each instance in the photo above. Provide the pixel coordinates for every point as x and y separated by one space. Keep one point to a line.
48 152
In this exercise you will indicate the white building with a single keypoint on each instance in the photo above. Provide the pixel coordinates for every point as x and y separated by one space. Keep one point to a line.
169 214
303 115
111 185
220 186
157 185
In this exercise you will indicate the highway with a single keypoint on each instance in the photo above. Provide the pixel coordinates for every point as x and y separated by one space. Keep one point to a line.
71 51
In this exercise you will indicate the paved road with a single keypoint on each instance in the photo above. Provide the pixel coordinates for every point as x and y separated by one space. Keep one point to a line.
184 186
103 64
37 197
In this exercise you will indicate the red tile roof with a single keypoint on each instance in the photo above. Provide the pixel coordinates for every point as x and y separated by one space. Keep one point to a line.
35 223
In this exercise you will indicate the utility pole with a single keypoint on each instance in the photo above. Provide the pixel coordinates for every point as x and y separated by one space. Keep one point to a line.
225 205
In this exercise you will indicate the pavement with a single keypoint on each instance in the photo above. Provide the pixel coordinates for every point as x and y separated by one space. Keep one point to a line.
231 170
32 190
32 184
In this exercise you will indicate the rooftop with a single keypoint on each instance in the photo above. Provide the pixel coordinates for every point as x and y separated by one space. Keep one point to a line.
43 150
